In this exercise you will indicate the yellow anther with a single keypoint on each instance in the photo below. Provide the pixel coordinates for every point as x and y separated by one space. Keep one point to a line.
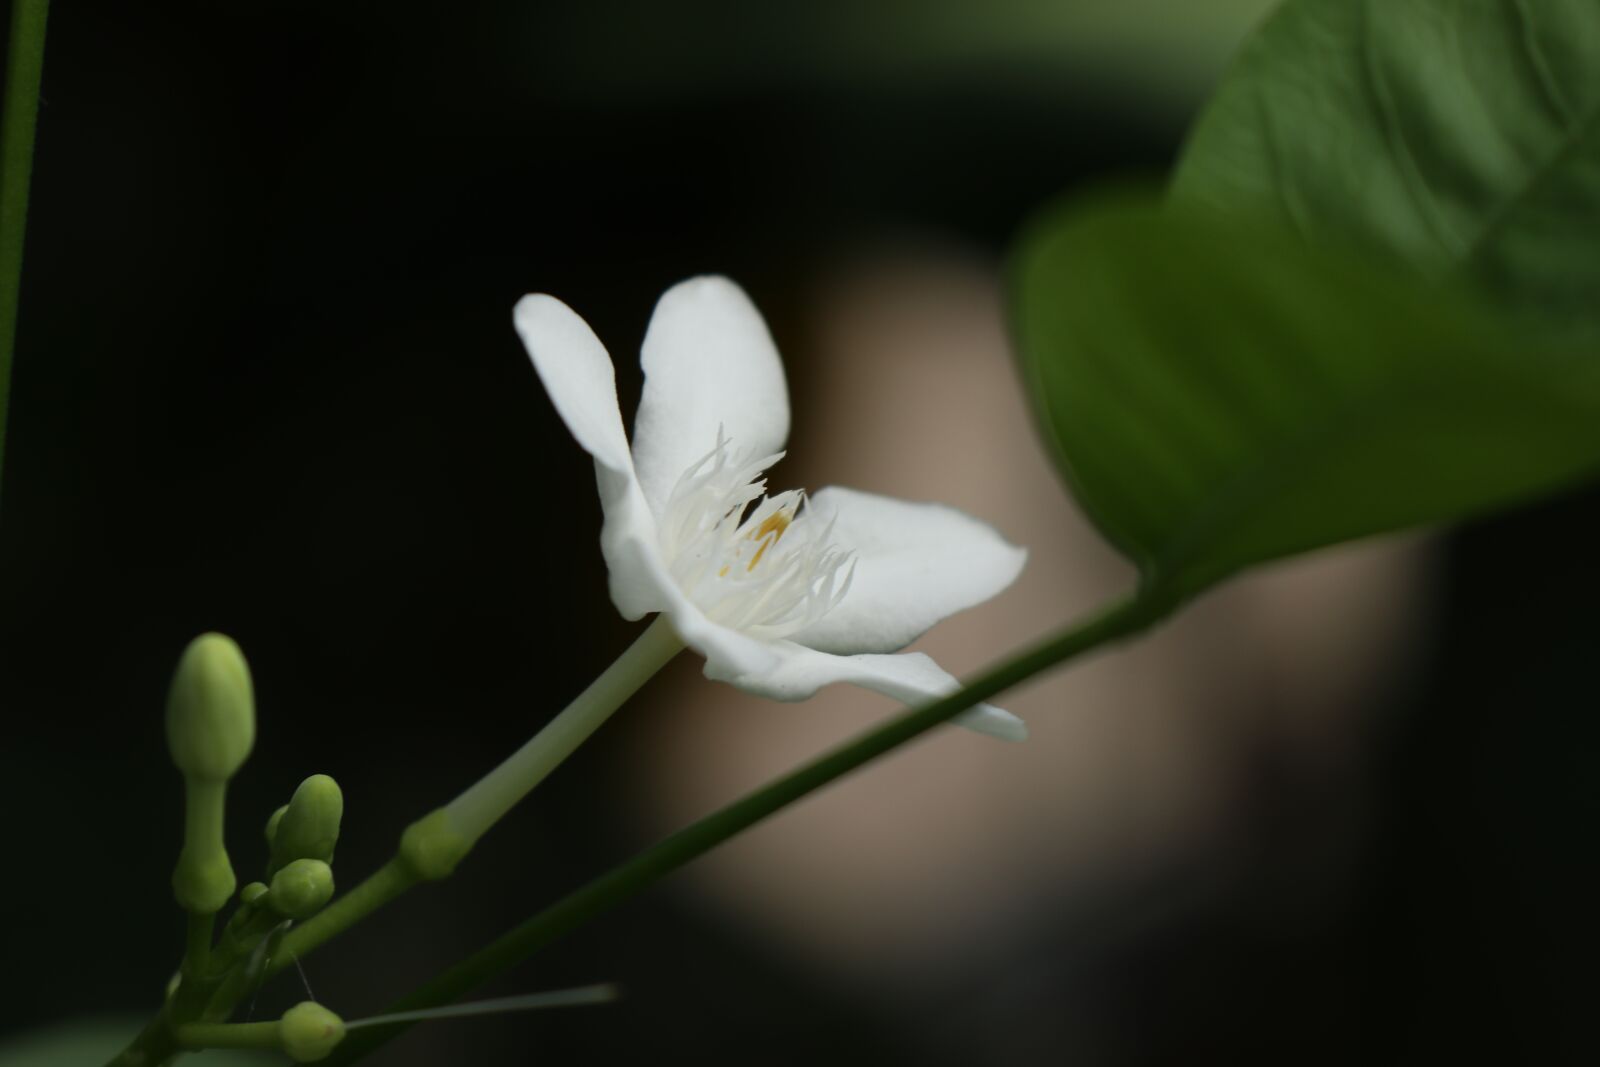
776 523
768 534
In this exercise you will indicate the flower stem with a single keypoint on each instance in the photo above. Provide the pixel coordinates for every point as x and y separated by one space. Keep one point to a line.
434 844
488 799
1121 620
197 953
24 68
266 1035
380 887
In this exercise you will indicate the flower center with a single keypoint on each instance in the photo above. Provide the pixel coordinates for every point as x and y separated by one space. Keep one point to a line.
750 561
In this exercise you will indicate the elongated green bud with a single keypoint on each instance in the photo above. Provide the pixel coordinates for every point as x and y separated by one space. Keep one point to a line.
309 828
309 1032
211 710
300 889
272 823
211 726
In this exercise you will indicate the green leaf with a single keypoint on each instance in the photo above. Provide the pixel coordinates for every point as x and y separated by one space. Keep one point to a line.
1459 134
96 1040
1220 394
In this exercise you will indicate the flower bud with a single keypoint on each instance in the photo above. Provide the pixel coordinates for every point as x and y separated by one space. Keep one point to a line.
252 894
211 716
301 889
309 1031
272 823
309 828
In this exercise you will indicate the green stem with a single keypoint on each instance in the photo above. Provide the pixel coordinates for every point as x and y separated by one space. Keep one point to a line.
1115 623
197 954
203 880
24 68
155 1045
434 844
230 1035
382 886
488 799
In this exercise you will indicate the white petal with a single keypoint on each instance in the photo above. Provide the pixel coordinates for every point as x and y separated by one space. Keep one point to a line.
639 580
577 373
727 651
709 363
911 677
915 564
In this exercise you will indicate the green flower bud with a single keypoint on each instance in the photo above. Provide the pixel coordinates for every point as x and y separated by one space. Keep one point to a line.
272 823
211 714
252 893
309 828
301 889
309 1031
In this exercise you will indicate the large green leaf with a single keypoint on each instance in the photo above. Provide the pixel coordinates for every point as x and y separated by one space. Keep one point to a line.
1221 394
1461 134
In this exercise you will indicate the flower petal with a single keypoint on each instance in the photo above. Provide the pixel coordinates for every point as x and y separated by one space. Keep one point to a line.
915 564
577 373
709 364
727 651
911 677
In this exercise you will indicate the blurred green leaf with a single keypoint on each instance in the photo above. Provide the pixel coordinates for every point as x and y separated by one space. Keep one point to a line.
1457 133
92 1041
1221 394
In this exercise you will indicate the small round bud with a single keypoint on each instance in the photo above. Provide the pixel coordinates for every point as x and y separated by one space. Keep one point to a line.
309 1031
309 828
301 888
272 823
252 893
211 714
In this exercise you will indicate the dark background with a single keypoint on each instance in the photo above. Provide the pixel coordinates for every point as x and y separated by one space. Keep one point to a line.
266 384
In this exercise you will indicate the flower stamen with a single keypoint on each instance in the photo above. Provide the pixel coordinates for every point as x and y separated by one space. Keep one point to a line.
719 524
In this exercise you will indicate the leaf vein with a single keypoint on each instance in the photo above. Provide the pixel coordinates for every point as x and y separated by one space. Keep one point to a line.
1416 185
1534 51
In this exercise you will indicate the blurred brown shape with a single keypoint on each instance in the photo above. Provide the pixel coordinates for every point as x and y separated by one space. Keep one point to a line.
904 871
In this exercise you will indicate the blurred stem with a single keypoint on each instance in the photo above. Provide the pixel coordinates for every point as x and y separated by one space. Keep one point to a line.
197 954
1119 621
264 1035
433 845
24 68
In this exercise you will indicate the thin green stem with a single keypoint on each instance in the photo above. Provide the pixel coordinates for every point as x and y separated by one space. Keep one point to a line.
382 886
197 953
24 69
155 1045
203 879
230 1035
434 844
488 799
1115 623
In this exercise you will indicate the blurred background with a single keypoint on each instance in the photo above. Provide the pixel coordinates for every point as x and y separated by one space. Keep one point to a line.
1342 811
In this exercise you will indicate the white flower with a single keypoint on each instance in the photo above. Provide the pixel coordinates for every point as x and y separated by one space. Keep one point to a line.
782 594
